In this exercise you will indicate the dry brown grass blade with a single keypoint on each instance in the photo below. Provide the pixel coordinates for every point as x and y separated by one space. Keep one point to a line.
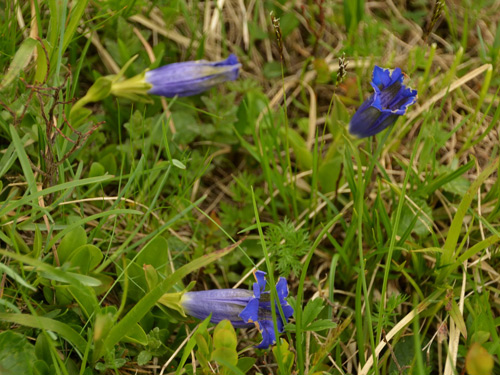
162 30
312 116
451 358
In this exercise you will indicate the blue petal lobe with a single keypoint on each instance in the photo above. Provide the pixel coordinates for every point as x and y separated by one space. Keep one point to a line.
266 328
282 289
251 312
381 76
287 311
260 285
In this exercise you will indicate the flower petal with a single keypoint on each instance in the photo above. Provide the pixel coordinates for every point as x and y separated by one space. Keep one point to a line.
221 303
287 311
266 328
381 77
250 313
191 77
391 99
282 289
260 285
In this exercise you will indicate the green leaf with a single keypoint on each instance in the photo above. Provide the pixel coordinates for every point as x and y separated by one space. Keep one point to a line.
16 354
196 338
41 64
135 334
19 62
57 274
178 164
404 353
417 219
42 368
96 169
42 348
256 32
320 325
151 276
288 23
79 116
225 342
246 363
224 336
225 356
328 174
302 155
286 356
86 299
203 352
144 357
186 126
86 258
70 242
311 311
155 254
253 104
137 286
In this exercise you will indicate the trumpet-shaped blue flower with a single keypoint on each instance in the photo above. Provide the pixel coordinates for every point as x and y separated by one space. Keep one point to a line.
390 100
243 308
191 77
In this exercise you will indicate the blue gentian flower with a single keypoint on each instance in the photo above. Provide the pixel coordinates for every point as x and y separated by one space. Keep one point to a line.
243 308
191 77
390 100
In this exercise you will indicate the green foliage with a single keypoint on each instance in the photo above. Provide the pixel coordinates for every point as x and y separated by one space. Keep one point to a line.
287 356
217 350
288 246
16 354
154 348
310 318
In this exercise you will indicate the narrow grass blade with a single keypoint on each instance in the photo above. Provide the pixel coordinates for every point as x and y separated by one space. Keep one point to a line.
53 272
14 204
17 278
62 329
23 159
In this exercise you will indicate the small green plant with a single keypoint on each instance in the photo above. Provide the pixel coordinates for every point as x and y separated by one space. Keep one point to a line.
287 245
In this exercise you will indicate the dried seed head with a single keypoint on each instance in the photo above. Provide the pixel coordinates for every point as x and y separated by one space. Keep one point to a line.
436 13
341 74
277 30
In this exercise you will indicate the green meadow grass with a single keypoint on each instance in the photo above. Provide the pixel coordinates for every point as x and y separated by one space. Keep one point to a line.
390 244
